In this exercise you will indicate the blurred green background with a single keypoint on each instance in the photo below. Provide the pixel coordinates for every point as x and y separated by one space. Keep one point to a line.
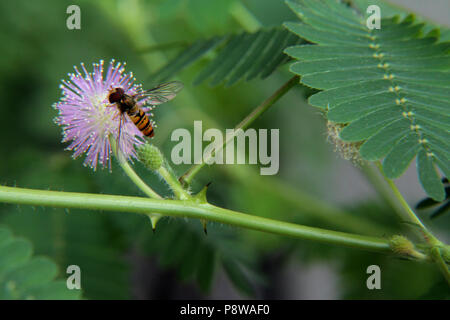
120 257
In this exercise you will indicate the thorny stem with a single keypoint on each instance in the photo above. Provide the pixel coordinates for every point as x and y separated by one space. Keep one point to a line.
309 205
190 209
189 175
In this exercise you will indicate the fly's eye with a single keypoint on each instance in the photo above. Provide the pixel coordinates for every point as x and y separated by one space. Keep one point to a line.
115 95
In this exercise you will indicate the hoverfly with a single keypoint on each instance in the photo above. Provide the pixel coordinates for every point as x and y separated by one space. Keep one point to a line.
128 104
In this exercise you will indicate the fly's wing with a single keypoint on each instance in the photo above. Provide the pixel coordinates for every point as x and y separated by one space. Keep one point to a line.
161 93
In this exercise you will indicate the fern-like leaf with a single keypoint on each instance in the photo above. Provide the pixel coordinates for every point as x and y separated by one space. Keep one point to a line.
91 243
390 86
242 56
23 276
183 246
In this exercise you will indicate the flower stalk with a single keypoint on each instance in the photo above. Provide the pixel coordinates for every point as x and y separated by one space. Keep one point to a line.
405 212
437 256
174 184
131 173
405 248
187 177
403 208
154 160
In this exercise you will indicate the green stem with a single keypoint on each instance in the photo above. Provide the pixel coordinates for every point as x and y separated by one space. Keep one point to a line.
437 258
189 209
308 204
399 203
244 17
258 111
162 47
380 185
131 173
178 190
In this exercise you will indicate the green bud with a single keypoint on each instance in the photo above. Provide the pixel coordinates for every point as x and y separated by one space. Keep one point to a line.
401 245
405 248
150 156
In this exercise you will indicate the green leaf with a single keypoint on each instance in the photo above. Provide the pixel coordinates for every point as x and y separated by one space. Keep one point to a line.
442 207
389 86
445 35
378 145
86 241
398 160
389 10
183 246
207 15
239 277
236 57
207 266
190 55
429 177
23 276
55 290
13 253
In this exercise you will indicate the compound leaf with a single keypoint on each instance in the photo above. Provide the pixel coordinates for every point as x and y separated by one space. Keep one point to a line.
24 276
389 86
243 56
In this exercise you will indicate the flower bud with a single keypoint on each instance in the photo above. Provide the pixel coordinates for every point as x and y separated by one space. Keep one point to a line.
401 245
150 156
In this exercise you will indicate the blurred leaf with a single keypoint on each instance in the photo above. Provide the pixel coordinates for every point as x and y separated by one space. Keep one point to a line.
190 55
23 276
399 278
79 238
238 275
208 15
445 35
245 55
183 246
396 276
169 8
89 240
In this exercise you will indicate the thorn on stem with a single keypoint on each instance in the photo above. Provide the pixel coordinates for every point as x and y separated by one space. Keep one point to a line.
153 220
204 222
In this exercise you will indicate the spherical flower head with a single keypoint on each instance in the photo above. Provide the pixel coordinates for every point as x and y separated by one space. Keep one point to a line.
88 118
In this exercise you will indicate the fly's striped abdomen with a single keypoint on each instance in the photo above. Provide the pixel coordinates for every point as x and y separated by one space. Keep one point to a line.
143 123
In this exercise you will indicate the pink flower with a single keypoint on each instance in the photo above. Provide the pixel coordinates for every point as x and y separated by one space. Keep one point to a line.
88 119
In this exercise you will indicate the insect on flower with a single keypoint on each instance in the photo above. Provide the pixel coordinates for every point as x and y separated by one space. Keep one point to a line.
95 107
129 104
